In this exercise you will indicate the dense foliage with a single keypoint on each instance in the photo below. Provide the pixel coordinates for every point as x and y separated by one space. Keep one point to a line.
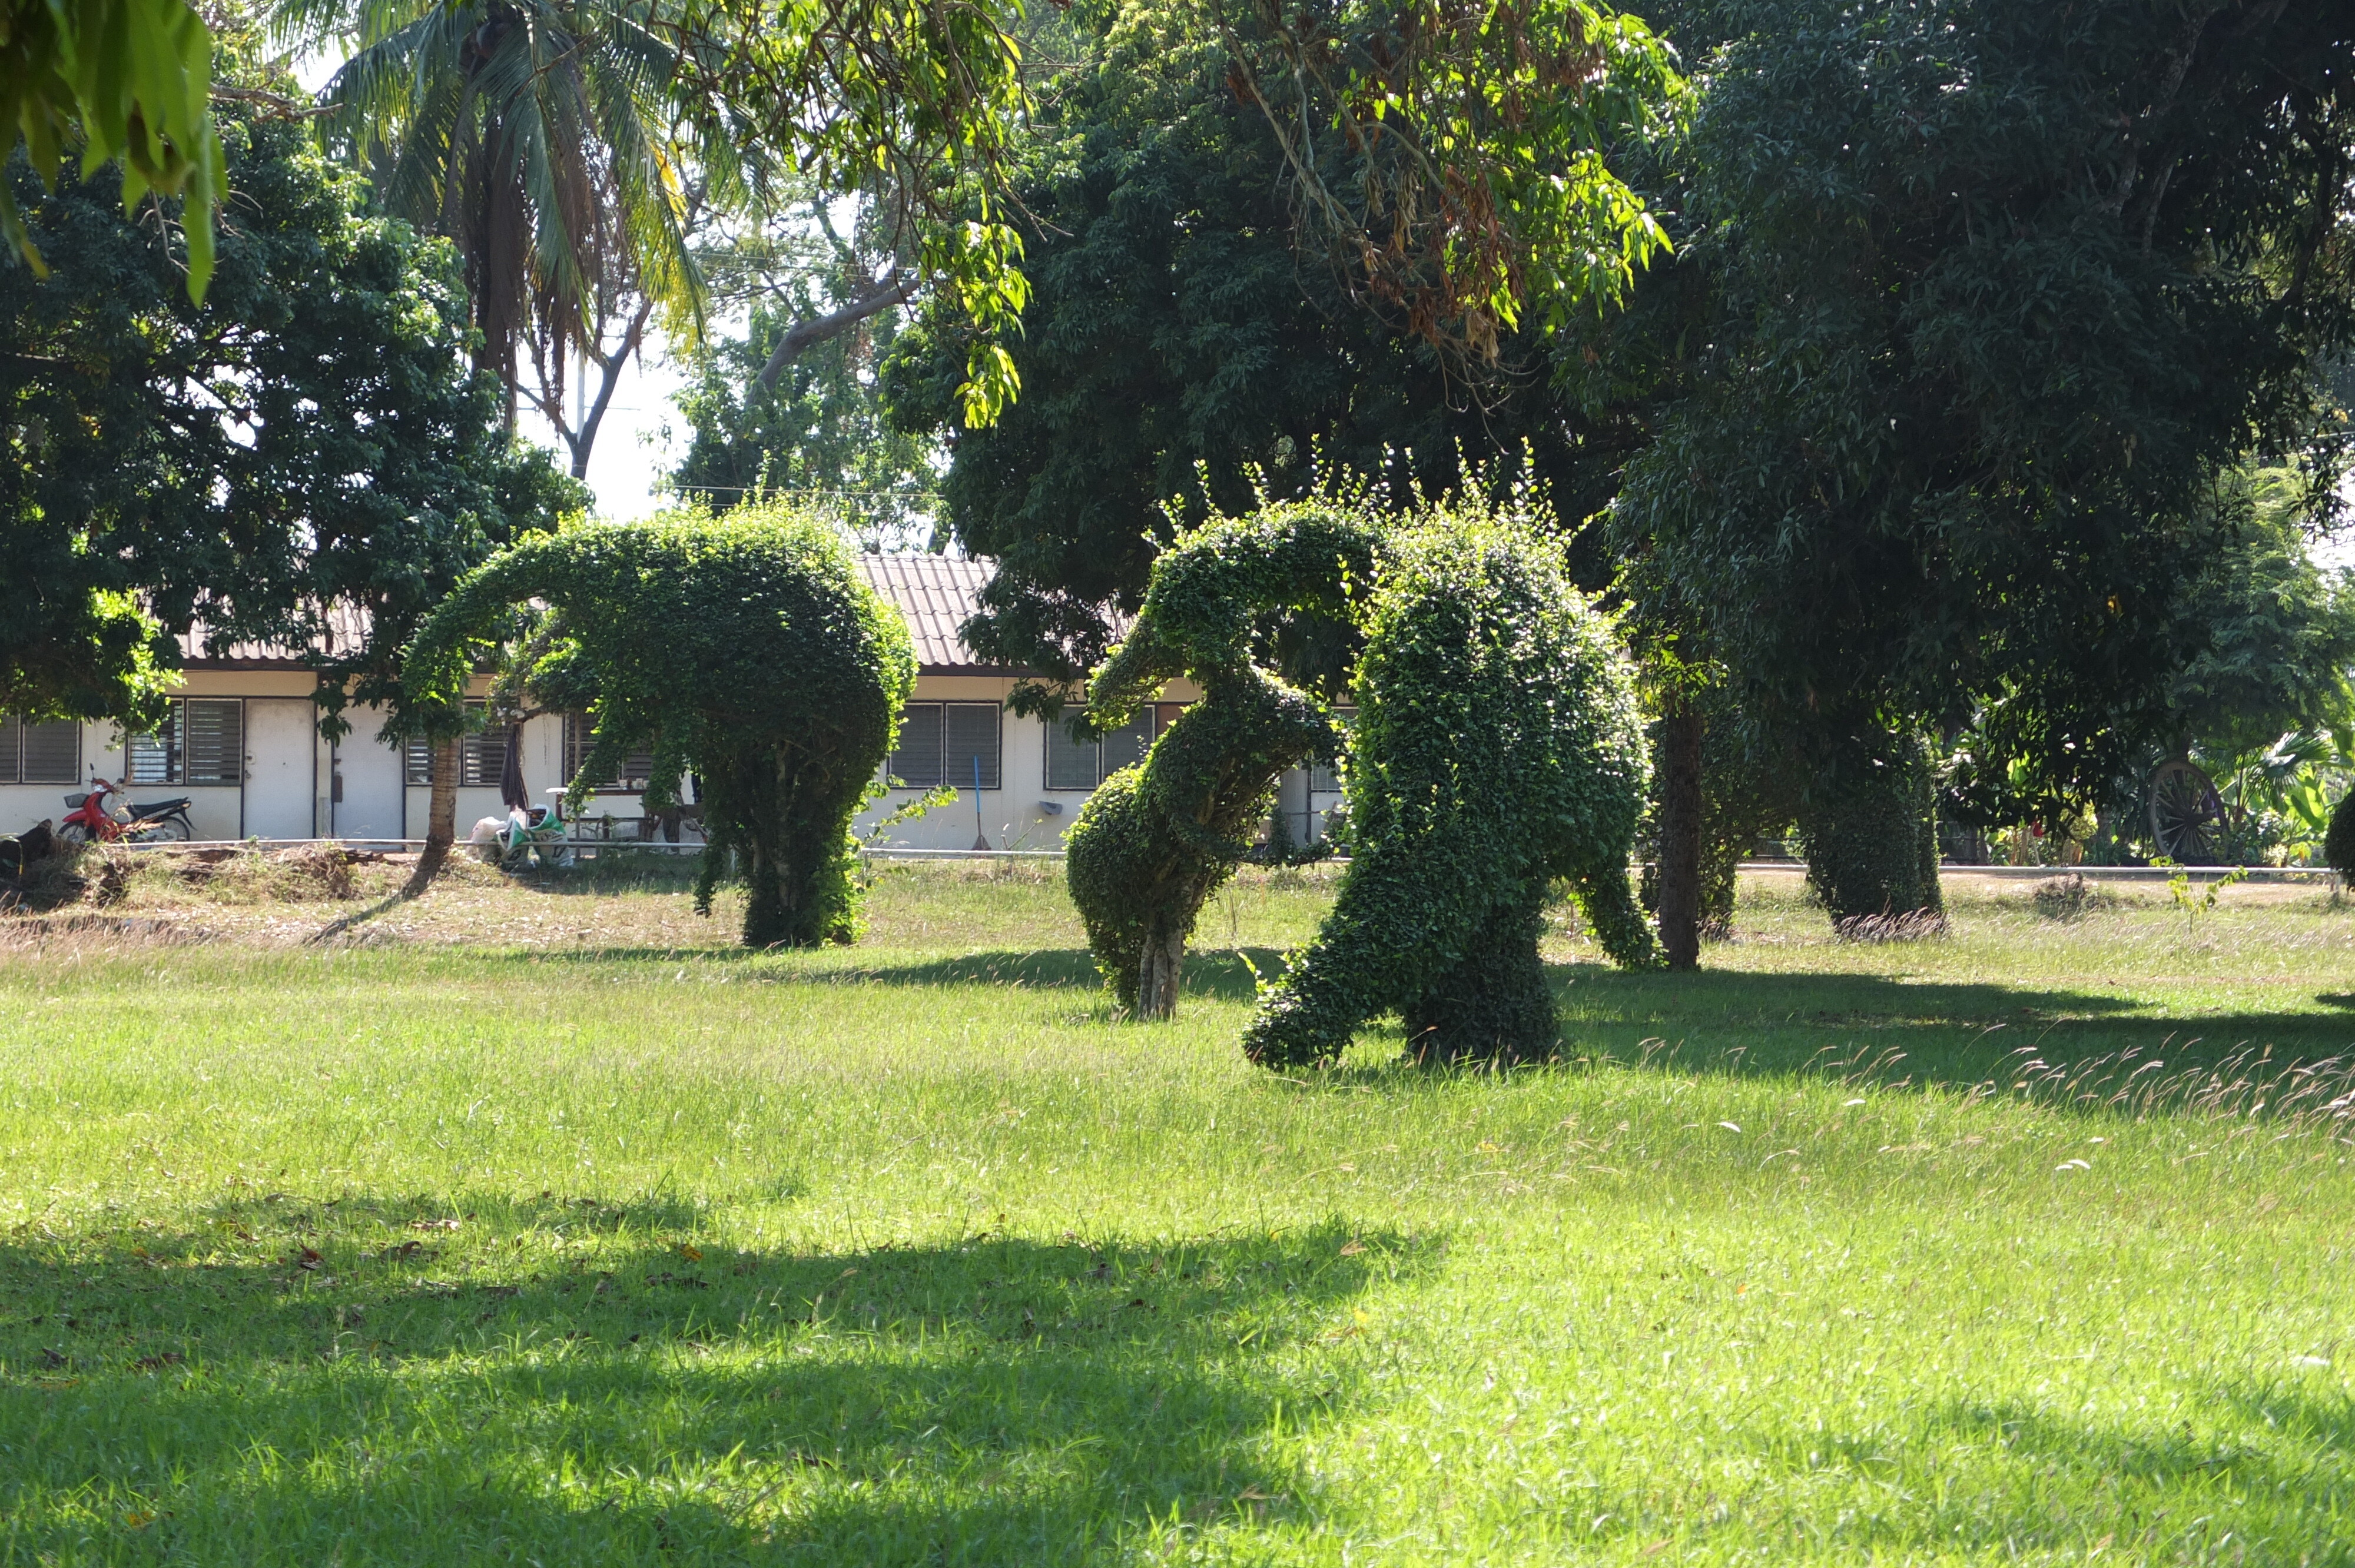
1975 301
1160 836
1868 816
2338 843
311 436
748 650
1496 750
817 435
1453 158
1180 358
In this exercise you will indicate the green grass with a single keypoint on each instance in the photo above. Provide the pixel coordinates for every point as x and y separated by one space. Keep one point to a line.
612 1245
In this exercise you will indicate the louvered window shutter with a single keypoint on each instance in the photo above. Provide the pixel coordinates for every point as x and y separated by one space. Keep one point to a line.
973 745
1070 764
1128 745
212 749
52 752
916 763
155 757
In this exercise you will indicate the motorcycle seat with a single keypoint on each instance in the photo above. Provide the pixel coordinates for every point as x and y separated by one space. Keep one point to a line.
157 808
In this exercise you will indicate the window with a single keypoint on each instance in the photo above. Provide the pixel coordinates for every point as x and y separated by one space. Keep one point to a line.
39 753
637 768
1084 764
203 742
1324 779
482 755
947 743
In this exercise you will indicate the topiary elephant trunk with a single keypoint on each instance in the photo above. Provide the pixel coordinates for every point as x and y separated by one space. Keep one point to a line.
1158 838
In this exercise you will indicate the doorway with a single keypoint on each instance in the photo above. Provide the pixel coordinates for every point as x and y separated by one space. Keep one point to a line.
281 766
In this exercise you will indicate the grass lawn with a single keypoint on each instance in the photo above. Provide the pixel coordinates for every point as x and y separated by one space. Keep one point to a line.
539 1225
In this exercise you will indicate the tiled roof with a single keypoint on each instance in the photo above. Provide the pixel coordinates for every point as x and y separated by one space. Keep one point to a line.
347 627
937 594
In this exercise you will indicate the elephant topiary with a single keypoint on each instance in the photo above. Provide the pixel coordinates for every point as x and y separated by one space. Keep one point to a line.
1497 749
1157 839
745 649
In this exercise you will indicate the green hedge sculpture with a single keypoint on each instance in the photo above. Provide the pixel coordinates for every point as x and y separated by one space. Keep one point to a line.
1498 747
1869 820
1159 837
748 650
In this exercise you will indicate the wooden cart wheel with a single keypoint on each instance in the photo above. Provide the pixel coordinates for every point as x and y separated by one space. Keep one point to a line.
2187 816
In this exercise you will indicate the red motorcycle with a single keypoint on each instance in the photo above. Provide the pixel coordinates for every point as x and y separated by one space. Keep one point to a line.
90 820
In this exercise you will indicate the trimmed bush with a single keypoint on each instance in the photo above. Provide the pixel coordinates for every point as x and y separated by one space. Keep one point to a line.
1497 749
746 648
1159 837
1870 822
2339 839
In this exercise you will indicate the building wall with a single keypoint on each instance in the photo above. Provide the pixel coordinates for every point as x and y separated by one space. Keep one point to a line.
357 788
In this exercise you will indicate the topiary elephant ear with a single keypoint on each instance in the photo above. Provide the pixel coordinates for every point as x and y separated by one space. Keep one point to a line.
748 650
1157 838
1497 749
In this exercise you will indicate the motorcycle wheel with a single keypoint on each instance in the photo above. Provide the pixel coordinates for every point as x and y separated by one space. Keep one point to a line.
73 833
167 831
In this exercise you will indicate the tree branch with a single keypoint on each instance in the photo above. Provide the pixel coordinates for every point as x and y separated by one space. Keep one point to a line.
893 290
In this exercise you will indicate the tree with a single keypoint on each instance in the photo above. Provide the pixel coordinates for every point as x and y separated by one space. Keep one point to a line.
131 80
542 137
1979 298
1178 348
309 436
816 430
1496 750
746 648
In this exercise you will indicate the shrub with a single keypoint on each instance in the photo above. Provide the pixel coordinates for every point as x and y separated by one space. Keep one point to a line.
747 649
2339 839
1497 747
1869 819
1158 838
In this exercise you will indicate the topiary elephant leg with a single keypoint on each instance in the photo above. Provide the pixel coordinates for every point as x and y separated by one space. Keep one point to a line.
1101 856
1494 1004
1401 916
1608 906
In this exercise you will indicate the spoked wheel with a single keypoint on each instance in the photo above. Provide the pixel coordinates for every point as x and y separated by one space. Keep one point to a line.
2187 816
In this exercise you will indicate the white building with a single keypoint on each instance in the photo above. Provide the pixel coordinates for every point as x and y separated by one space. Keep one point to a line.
243 745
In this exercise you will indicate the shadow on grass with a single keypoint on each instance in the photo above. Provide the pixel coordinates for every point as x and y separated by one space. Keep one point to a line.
294 1380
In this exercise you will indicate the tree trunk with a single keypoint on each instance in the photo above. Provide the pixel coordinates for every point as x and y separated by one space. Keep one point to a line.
442 820
1157 974
1680 812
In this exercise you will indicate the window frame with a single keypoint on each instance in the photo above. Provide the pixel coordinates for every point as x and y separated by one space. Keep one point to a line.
578 736
482 755
174 741
938 707
1161 714
16 746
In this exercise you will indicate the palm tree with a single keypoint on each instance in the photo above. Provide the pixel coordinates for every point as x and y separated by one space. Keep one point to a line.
541 136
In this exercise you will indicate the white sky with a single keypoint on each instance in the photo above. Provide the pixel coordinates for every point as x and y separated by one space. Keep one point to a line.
628 456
